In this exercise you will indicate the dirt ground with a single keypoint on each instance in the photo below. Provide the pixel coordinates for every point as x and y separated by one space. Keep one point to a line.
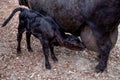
72 65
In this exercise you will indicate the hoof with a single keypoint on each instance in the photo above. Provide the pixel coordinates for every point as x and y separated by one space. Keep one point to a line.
30 50
18 51
48 66
55 59
100 68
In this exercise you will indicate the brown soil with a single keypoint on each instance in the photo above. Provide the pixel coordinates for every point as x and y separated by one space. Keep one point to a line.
72 65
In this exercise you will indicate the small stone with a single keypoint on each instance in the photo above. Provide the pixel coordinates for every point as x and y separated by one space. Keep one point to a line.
65 66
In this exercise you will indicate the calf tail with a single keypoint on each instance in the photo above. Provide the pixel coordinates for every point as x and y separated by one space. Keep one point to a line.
12 14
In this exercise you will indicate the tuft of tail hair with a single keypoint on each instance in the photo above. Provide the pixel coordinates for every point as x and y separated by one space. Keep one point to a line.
12 14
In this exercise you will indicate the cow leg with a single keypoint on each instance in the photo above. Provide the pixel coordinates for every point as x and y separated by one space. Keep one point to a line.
19 37
45 46
28 35
52 52
104 45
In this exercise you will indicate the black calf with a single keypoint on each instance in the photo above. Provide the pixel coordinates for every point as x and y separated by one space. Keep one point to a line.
46 30
42 27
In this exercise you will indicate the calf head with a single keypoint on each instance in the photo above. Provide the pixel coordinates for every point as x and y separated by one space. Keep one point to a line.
73 43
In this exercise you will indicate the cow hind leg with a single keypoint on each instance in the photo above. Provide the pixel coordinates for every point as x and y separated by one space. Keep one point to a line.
104 44
104 50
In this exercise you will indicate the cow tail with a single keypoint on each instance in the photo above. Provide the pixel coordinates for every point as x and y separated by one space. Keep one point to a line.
12 14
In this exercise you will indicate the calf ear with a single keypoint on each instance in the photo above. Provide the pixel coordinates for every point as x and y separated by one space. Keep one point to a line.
59 39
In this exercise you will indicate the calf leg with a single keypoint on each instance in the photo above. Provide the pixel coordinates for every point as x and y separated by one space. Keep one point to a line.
19 37
45 46
52 52
28 35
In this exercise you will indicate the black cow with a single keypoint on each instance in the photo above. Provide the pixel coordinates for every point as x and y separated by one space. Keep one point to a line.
101 16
